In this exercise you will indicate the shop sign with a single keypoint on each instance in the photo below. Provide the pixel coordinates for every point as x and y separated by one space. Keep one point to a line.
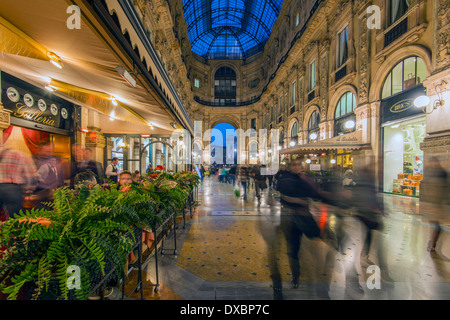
34 104
401 105
352 138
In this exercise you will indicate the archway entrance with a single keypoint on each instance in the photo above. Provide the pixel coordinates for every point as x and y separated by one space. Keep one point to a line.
223 145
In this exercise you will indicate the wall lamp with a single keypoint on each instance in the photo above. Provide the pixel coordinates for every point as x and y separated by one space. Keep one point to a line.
424 101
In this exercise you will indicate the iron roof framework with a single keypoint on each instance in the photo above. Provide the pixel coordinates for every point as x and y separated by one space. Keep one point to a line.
229 29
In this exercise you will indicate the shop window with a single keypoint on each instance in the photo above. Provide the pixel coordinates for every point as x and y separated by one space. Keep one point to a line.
403 158
405 75
344 116
313 127
294 134
253 152
282 137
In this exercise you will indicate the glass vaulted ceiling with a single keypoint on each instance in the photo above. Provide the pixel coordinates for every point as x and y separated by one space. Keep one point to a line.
229 29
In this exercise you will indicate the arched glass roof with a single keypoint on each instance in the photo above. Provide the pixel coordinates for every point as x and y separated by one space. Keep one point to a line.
229 29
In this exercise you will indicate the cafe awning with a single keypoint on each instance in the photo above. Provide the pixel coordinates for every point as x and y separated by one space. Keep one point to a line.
349 141
29 30
323 147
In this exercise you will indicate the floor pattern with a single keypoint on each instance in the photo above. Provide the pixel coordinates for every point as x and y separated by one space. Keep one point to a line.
223 254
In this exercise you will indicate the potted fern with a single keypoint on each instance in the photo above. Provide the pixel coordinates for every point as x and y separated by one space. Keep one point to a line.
91 228
88 229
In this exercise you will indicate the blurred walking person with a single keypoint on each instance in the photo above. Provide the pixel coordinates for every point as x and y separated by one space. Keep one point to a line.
258 180
243 177
369 209
438 198
296 219
50 178
18 175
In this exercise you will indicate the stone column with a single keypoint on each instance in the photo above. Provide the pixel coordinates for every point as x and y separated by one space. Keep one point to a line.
5 121
94 138
363 122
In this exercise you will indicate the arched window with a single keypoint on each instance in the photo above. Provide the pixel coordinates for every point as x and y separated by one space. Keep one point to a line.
225 86
344 117
313 127
282 137
405 75
253 152
294 134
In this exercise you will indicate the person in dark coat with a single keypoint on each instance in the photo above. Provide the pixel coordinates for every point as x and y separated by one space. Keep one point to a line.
296 188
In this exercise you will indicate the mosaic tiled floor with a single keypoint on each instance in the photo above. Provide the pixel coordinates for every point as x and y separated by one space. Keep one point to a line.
222 250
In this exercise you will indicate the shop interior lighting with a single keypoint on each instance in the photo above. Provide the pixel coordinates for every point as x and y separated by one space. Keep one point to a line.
292 143
424 101
333 161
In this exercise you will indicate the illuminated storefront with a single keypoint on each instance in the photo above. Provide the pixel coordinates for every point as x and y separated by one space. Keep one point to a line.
403 130
42 124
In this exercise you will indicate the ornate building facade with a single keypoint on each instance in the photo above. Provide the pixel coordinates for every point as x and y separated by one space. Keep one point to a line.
329 79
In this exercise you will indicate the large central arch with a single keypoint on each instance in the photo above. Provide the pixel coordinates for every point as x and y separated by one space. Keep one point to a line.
223 152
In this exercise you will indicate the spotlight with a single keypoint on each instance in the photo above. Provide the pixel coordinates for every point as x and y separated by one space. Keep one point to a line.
313 136
55 60
126 76
50 88
350 124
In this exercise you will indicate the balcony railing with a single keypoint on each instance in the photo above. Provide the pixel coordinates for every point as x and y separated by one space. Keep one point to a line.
342 72
311 95
226 103
396 32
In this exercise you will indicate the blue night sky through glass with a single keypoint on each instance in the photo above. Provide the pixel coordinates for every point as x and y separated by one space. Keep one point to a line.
229 29
223 127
